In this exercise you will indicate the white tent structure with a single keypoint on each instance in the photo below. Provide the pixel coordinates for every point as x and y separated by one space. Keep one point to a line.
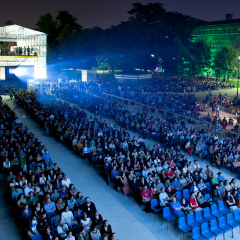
29 48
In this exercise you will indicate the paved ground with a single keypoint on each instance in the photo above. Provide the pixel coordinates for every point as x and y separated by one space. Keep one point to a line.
126 217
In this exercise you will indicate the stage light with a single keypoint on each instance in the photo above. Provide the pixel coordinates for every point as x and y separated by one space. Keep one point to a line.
39 72
19 72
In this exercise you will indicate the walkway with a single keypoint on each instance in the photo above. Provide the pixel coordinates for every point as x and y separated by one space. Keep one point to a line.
126 217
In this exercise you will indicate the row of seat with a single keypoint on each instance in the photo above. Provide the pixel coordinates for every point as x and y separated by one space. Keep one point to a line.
185 193
210 215
216 227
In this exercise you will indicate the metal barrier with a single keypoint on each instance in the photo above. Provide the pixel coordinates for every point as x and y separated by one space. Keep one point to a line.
223 133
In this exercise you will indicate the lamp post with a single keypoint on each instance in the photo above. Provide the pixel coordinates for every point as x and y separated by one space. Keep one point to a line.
178 65
60 66
238 75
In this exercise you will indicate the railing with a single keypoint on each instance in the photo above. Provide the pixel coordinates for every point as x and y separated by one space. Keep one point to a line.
223 133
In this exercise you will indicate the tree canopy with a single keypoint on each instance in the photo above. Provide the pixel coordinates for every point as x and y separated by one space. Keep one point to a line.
225 62
151 37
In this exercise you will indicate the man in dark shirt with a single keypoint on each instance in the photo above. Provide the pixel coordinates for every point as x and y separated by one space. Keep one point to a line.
107 170
89 207
135 186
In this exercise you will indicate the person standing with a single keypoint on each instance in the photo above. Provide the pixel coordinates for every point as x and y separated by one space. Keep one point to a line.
6 90
217 107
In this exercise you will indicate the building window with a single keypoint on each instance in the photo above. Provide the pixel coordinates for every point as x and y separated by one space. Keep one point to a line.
212 44
238 44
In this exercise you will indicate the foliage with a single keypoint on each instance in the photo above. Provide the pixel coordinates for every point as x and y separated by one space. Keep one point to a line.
150 37
9 22
225 62
198 58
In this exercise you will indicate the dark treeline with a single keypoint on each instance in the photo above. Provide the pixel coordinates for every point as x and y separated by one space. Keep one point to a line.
151 37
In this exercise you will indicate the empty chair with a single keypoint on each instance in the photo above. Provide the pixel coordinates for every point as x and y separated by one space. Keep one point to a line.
206 231
199 217
37 237
222 208
191 221
186 194
237 216
76 214
223 225
196 235
232 222
167 215
215 229
207 196
182 225
208 185
215 211
207 214
154 204
179 195
53 226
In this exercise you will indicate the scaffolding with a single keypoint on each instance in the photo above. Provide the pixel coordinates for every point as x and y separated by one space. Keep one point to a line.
219 34
28 48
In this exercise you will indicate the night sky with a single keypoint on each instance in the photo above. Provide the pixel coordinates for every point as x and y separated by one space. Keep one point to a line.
105 13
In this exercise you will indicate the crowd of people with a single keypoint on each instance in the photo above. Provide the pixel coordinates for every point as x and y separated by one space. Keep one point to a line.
46 201
17 51
146 172
194 84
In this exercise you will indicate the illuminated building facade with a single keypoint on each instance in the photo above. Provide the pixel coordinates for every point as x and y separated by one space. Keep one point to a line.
23 55
219 34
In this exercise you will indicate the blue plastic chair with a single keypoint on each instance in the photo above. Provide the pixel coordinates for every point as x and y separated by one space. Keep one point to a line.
186 194
215 229
224 226
206 231
199 217
205 153
179 195
155 210
222 208
75 214
207 214
182 225
191 221
207 196
237 216
37 237
167 215
196 235
52 225
232 222
208 185
215 211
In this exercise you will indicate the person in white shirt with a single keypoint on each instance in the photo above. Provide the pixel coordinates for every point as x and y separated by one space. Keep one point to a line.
74 142
62 229
42 179
163 198
108 158
23 182
43 150
67 217
27 190
86 222
18 121
196 165
33 227
13 184
66 181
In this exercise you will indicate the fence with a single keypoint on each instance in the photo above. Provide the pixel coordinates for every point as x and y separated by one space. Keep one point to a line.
223 133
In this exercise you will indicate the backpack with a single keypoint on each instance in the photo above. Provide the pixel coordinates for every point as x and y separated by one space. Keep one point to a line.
75 229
